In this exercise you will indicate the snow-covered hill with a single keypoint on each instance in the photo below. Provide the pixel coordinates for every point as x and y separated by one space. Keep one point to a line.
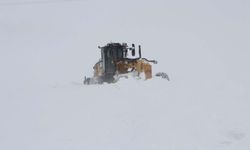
46 48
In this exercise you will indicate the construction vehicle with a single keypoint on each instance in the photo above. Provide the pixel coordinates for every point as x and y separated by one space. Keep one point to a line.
119 60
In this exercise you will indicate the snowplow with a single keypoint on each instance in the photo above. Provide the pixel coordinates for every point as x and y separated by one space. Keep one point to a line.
119 60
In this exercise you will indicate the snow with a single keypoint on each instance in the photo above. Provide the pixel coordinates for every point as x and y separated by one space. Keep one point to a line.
47 48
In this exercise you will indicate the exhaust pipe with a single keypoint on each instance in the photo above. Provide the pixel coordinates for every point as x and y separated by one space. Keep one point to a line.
139 51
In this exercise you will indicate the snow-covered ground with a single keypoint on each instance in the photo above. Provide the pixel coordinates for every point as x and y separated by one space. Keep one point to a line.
46 48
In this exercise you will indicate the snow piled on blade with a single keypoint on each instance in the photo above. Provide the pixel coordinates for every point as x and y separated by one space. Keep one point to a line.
46 50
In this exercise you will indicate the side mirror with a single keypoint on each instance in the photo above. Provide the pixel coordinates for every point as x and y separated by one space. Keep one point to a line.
133 52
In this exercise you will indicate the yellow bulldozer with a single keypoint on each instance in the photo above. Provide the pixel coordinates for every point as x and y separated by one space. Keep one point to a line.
119 60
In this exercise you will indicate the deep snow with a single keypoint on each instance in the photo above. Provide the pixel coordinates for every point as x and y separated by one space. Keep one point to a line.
47 48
